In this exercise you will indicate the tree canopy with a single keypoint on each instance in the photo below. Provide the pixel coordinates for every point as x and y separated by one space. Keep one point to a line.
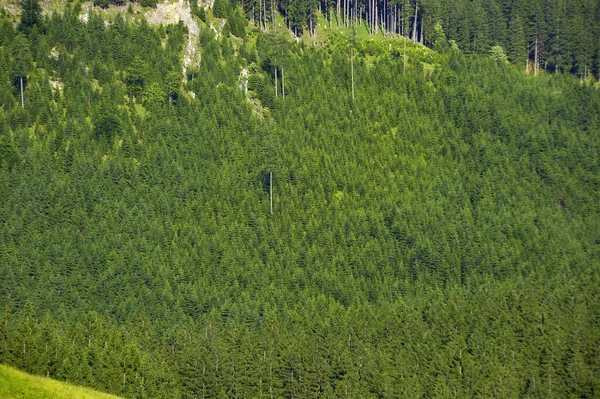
434 232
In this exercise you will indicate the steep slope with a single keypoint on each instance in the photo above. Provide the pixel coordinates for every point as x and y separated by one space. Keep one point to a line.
437 235
167 13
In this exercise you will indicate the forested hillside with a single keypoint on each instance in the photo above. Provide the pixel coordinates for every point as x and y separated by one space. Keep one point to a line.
553 35
549 35
434 229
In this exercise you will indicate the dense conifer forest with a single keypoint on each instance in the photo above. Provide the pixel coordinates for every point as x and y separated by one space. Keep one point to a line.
354 216
554 35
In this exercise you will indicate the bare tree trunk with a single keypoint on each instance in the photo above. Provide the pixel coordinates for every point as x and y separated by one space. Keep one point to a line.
414 32
370 16
270 379
386 16
421 39
259 14
559 58
390 20
353 38
22 98
393 20
404 66
396 20
352 70
402 24
275 82
373 17
271 189
536 58
348 13
362 11
376 16
396 31
282 82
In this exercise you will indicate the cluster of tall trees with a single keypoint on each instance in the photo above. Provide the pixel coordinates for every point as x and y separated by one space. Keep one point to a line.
500 340
553 35
429 234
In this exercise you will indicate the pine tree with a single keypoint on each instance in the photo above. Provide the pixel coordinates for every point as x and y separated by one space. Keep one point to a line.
30 14
22 63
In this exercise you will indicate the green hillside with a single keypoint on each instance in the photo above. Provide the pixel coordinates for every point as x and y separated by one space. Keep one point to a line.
15 384
208 209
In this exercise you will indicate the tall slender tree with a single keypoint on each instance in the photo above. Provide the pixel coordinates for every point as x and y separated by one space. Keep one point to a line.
31 12
22 63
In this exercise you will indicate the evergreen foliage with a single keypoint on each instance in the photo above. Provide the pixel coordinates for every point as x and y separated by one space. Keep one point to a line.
437 235
553 35
30 15
221 8
198 11
148 3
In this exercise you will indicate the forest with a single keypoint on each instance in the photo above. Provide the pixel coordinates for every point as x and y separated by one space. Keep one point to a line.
362 217
553 35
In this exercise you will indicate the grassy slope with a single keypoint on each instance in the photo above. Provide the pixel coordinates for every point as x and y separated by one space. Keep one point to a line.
17 384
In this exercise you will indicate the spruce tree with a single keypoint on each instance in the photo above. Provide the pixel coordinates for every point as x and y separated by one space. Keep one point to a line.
30 14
